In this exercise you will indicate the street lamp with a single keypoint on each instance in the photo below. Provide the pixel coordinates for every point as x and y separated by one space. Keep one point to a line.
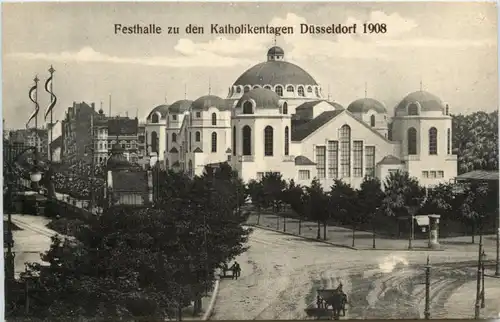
477 311
373 227
427 312
483 258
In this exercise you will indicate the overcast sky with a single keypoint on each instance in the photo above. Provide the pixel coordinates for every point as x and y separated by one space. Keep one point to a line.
450 47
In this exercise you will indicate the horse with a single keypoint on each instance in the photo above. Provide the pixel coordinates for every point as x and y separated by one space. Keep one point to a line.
336 298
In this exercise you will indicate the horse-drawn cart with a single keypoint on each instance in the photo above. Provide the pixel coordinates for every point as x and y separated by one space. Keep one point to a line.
330 303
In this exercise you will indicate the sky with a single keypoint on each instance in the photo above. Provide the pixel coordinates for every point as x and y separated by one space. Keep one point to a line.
448 49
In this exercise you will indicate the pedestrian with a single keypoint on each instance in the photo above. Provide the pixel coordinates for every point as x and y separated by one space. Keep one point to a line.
233 269
236 268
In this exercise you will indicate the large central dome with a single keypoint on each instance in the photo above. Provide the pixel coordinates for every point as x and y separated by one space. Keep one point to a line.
275 71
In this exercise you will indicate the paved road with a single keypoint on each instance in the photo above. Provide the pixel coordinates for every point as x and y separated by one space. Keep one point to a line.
281 274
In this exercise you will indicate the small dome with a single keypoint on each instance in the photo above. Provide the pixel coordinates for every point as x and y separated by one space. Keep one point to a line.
264 98
363 105
162 109
180 107
276 50
428 102
101 112
207 101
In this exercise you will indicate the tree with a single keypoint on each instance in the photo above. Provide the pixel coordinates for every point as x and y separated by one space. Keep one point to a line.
256 192
474 206
317 205
273 186
343 201
370 197
293 195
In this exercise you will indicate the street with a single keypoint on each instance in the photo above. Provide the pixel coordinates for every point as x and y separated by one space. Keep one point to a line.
281 273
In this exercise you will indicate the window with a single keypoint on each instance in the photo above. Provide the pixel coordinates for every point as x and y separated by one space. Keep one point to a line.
370 161
174 137
309 89
333 159
287 147
372 120
174 117
433 174
256 86
247 140
238 89
198 115
214 142
285 108
304 175
190 141
197 136
412 141
247 108
440 174
345 151
357 151
214 119
154 142
449 141
289 89
234 140
166 142
247 89
321 161
413 109
267 87
300 90
268 141
316 91
279 90
154 118
433 141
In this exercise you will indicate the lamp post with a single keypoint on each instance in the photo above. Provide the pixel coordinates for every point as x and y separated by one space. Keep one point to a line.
477 311
483 258
427 312
373 227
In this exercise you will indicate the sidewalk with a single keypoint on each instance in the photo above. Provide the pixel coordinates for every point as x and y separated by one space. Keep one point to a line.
462 301
363 240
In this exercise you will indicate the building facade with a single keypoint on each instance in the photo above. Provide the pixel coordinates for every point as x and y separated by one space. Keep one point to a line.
275 119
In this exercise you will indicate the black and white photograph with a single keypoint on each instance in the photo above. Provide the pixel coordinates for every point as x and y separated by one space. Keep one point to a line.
169 161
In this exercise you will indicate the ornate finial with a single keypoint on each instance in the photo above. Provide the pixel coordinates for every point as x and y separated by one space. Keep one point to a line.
421 86
209 86
275 40
366 90
51 69
185 91
36 79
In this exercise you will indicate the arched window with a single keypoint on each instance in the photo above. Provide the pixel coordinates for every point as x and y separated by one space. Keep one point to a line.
247 89
166 142
214 142
433 136
268 87
285 108
256 86
190 141
214 119
234 140
412 141
174 137
268 141
309 89
154 118
279 90
413 109
154 142
246 140
190 168
247 108
197 136
238 89
372 120
300 90
345 151
289 89
287 147
316 91
449 141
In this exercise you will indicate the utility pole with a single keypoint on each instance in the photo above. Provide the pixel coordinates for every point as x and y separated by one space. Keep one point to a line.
497 264
427 311
92 164
483 257
477 311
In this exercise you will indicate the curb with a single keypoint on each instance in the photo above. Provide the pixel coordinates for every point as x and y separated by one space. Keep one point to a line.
213 299
346 246
304 237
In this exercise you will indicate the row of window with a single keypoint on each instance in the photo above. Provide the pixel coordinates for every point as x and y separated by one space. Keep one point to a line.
248 108
155 118
413 109
433 141
433 174
246 140
341 151
279 90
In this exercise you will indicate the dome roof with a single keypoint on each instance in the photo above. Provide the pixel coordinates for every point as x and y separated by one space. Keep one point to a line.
276 50
162 109
275 72
180 106
264 98
207 101
363 105
427 101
